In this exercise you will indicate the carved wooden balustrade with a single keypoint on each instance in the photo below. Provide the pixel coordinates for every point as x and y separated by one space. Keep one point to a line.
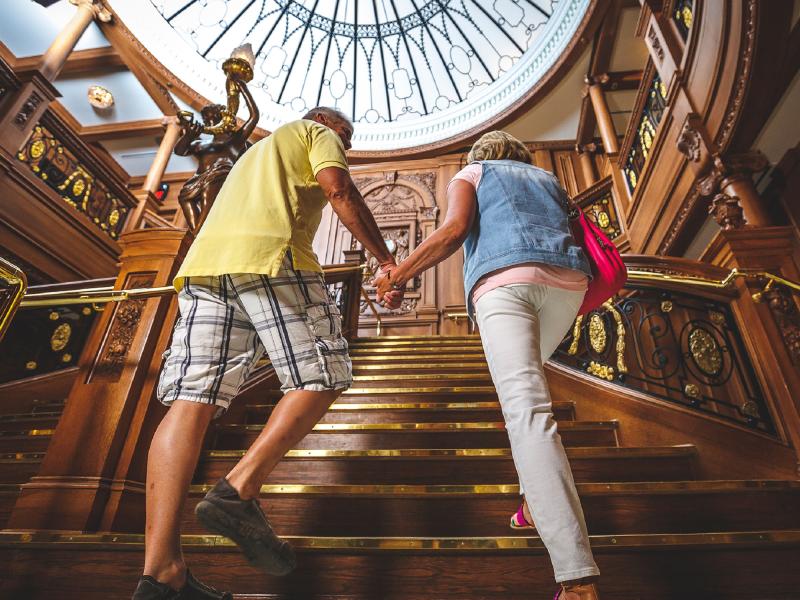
673 334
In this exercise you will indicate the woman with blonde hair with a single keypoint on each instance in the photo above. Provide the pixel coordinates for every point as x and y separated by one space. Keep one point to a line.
525 279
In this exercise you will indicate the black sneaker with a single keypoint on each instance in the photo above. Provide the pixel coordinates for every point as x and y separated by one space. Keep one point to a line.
222 511
195 590
152 589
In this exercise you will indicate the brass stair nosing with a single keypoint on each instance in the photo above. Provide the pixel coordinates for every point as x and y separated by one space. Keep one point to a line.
365 359
431 426
27 433
649 488
16 457
480 389
425 377
523 544
356 406
624 452
421 366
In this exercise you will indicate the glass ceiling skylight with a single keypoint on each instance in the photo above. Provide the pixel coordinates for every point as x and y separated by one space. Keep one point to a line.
408 72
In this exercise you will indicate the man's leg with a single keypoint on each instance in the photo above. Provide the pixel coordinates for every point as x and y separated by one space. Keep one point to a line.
171 463
293 418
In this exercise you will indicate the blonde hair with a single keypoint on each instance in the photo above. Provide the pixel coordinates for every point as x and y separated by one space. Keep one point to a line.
499 145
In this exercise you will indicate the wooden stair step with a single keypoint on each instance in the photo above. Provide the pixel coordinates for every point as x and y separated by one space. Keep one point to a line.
8 496
729 565
393 380
472 352
429 342
456 466
469 434
425 393
29 421
408 412
25 440
366 358
413 368
484 510
19 467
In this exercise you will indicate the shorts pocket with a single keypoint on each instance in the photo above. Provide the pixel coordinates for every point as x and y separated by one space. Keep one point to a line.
325 324
324 320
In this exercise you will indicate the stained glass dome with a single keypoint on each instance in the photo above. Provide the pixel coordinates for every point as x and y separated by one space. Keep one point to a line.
408 72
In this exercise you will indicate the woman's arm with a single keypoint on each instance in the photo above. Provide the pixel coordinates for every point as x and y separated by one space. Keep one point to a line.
443 242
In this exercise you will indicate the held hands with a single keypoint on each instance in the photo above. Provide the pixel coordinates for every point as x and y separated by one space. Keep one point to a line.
385 293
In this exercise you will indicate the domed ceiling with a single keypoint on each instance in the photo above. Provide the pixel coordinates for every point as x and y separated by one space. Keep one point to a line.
408 72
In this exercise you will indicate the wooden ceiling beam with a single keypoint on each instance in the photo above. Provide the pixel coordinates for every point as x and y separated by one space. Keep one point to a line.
116 35
122 130
80 62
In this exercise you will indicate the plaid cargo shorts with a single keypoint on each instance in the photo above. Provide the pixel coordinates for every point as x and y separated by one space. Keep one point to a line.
227 322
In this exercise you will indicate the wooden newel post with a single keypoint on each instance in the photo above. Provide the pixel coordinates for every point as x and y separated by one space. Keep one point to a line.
770 317
92 477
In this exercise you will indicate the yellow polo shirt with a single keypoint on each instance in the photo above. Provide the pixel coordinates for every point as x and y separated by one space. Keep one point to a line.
270 203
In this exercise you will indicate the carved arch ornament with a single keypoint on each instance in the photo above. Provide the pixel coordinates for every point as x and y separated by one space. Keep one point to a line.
404 206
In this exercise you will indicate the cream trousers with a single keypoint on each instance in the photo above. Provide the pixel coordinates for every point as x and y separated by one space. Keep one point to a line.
521 326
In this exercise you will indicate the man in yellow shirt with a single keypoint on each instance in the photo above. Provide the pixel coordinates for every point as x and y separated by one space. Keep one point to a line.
251 283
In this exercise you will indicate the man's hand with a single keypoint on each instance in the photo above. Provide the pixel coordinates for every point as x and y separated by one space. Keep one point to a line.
385 293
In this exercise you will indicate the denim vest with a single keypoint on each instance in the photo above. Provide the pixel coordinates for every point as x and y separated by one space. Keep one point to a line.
521 217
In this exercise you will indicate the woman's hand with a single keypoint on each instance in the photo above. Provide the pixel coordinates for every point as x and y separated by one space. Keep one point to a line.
385 293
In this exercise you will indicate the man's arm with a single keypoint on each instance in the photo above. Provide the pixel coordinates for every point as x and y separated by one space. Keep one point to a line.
348 204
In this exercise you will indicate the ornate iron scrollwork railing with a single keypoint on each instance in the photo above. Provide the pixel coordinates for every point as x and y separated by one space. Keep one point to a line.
639 139
597 202
674 345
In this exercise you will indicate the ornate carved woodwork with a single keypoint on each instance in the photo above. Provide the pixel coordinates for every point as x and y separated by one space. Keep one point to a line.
787 318
63 172
727 211
121 332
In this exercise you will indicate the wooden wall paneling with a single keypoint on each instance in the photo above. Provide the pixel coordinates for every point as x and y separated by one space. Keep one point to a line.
724 451
37 224
451 271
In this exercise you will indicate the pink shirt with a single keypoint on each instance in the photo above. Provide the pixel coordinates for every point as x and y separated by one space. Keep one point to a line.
559 277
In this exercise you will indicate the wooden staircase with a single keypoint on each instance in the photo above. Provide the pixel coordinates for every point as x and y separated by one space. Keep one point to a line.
405 488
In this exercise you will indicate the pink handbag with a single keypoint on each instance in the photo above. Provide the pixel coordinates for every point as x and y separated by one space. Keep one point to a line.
609 273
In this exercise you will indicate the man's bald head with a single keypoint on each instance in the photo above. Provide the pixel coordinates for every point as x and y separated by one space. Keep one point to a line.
333 119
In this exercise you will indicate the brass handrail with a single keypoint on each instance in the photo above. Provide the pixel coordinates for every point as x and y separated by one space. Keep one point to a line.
725 282
14 276
371 304
109 294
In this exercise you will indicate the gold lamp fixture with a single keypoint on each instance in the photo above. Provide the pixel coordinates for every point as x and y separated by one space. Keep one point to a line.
100 97
239 67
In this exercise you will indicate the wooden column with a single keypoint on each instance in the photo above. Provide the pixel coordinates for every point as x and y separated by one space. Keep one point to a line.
604 122
92 475
586 161
155 174
32 99
55 57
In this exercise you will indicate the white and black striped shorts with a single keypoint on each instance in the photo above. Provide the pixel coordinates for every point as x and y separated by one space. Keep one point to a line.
227 322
